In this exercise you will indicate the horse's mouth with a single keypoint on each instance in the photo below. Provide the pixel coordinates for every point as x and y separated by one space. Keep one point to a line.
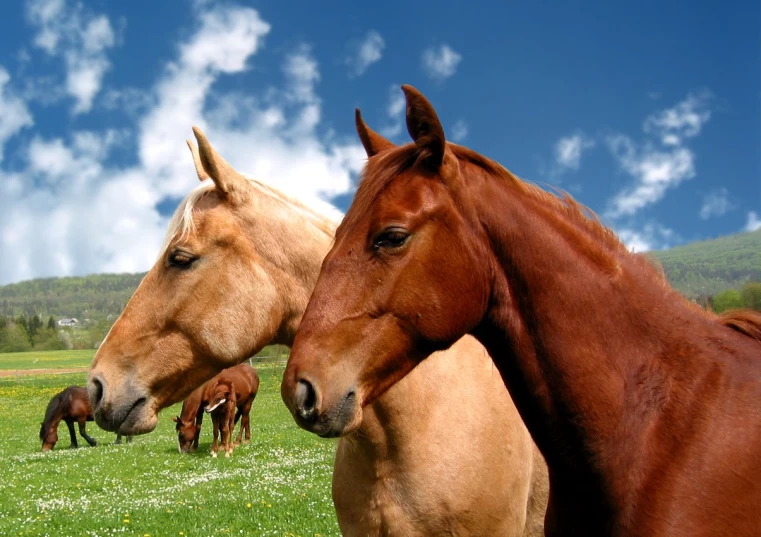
138 419
334 423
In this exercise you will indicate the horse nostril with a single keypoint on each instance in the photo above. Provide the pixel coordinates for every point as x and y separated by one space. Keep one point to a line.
96 393
306 399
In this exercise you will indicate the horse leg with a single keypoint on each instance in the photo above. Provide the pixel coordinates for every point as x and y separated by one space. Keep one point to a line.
129 438
83 433
70 425
215 424
243 411
247 419
118 438
226 435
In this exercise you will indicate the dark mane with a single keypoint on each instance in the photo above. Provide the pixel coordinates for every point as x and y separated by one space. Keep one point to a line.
747 322
50 412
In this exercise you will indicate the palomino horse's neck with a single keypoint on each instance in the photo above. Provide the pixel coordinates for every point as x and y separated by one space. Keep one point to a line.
578 328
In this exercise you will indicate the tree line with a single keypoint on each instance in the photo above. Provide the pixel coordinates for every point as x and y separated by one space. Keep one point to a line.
747 297
25 333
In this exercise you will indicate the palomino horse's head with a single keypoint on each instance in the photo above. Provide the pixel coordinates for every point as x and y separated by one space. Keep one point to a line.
213 298
187 430
387 290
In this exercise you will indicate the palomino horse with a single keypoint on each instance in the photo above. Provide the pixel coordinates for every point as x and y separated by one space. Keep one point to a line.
237 249
70 405
233 389
188 423
646 408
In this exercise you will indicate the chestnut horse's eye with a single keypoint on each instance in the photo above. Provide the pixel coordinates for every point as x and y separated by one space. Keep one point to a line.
181 259
391 238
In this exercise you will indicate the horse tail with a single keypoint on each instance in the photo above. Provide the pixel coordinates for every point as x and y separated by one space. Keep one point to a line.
745 321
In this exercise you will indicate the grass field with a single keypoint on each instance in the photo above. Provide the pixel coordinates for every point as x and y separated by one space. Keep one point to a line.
277 485
46 359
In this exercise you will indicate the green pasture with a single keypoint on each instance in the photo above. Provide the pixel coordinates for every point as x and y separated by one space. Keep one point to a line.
277 485
46 359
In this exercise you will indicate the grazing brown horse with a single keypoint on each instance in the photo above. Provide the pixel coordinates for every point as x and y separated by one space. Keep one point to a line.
233 389
646 408
240 250
188 423
70 405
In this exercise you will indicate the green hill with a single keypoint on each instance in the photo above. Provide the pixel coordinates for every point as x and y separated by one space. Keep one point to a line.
700 268
85 297
709 267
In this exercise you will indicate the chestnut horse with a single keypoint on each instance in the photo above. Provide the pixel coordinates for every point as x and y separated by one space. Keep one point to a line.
646 407
188 423
233 389
237 270
70 405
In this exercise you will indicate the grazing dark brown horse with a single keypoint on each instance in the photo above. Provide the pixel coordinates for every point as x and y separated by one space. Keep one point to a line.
646 408
71 405
234 388
189 421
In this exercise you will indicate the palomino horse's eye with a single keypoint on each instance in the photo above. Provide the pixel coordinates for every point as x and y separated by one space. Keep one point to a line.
181 259
391 238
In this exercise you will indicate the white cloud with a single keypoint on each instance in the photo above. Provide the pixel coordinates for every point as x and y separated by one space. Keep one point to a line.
660 165
754 222
715 203
68 211
14 114
568 151
395 110
685 120
369 51
652 236
459 131
81 38
440 62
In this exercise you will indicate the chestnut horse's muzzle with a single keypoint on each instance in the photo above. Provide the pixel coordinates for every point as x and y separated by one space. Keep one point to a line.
312 414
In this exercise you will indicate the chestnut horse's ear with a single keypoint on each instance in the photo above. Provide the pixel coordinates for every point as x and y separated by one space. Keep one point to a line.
200 172
424 127
373 142
228 181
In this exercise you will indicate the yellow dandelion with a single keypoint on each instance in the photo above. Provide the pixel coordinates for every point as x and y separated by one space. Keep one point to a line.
248 505
126 521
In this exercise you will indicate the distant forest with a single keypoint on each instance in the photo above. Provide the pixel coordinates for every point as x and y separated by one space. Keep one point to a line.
717 273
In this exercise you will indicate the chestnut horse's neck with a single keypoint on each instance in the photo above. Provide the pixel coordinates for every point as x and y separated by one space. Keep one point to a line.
590 340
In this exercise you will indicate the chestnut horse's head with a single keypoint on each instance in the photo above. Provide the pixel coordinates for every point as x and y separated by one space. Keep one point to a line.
217 394
394 287
222 288
187 431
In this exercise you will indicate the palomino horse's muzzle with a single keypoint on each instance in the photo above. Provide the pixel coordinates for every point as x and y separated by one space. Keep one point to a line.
124 409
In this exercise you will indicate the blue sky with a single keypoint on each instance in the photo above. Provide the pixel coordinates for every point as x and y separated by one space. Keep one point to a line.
647 112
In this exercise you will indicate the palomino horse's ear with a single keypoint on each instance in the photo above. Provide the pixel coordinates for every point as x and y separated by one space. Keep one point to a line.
202 175
424 127
228 181
374 143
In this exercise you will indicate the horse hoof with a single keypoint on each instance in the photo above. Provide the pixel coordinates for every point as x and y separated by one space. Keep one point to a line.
247 441
227 455
214 455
